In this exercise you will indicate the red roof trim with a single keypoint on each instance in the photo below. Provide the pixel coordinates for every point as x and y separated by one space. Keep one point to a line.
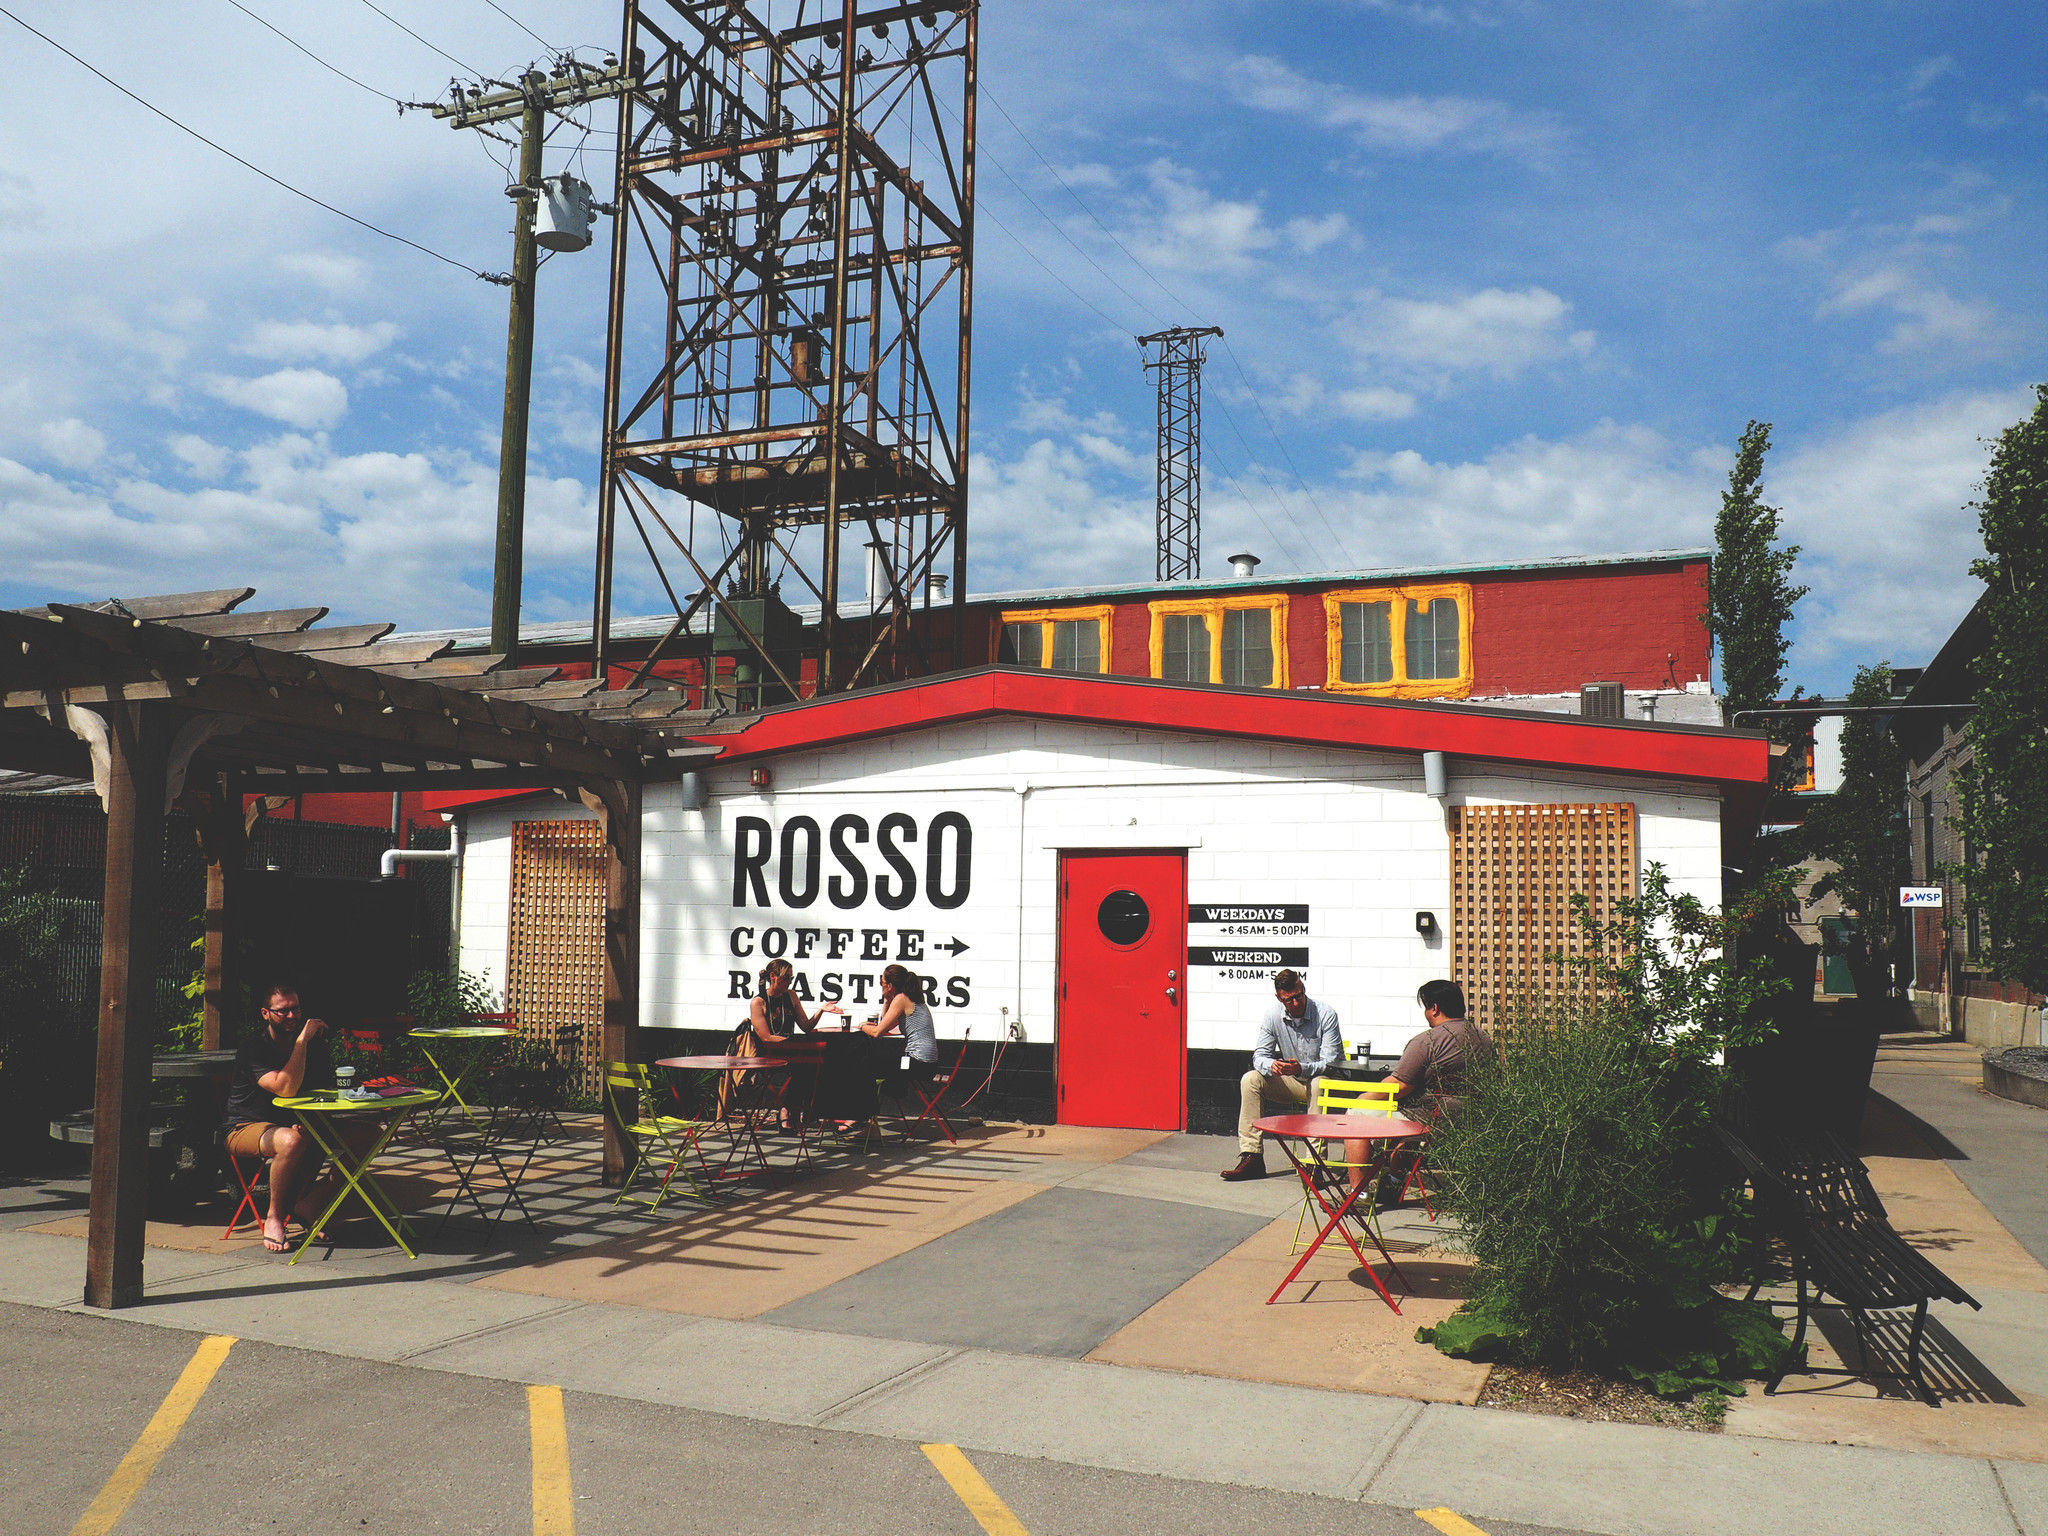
1308 719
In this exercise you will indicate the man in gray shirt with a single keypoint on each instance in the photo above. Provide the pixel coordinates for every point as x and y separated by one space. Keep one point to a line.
1298 1041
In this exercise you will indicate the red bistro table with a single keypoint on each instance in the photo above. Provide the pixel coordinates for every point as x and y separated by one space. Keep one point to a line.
1313 1130
731 1064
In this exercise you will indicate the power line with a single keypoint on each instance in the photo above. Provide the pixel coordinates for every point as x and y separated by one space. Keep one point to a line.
1153 278
522 26
408 31
1279 443
1078 203
309 53
246 165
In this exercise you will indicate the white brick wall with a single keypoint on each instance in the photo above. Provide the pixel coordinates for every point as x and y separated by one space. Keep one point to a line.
1350 834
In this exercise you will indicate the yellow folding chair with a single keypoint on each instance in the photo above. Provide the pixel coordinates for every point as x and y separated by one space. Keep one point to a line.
1347 1096
666 1132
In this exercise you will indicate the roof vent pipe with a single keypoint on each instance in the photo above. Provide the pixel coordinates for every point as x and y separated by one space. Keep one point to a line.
935 586
1435 780
1244 564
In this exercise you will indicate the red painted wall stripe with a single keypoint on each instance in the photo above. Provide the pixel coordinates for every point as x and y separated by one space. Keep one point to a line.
1310 719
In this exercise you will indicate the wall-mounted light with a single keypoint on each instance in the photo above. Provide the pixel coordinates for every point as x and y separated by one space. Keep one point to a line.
1425 924
693 795
759 777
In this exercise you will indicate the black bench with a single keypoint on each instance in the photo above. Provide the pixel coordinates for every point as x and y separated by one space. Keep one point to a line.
1818 1198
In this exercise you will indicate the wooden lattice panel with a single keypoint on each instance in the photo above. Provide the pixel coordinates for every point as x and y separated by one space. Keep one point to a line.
1514 871
554 960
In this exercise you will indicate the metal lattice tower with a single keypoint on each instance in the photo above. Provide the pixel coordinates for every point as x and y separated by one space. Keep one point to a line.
789 331
1179 369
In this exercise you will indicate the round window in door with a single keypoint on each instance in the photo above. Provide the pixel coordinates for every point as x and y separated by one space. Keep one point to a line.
1123 918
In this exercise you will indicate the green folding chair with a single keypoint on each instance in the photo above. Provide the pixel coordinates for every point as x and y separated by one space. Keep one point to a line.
668 1133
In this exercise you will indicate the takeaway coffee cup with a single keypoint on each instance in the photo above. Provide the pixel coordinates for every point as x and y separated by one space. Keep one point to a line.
345 1080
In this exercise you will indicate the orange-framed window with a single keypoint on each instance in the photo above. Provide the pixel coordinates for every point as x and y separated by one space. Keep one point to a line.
1412 642
1058 639
1241 641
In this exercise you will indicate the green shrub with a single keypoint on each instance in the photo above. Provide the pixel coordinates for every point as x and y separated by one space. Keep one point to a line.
1597 1233
1580 1173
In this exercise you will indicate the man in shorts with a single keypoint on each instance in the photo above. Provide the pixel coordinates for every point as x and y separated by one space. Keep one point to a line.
1432 1064
284 1057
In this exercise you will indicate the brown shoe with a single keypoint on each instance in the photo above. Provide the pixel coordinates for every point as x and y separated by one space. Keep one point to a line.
1250 1166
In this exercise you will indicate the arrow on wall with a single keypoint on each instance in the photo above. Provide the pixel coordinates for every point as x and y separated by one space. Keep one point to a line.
954 948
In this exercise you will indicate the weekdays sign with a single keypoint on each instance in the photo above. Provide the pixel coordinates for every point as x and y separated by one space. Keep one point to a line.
1248 940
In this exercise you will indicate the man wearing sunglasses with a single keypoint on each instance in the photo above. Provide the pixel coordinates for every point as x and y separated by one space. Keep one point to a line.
282 1059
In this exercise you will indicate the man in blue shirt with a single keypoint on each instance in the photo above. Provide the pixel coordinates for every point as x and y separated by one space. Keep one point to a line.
1298 1042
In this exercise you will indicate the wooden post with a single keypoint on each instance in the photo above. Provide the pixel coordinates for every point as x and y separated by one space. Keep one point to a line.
137 737
619 803
222 839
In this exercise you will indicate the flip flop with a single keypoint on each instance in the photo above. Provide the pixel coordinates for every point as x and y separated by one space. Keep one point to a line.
276 1244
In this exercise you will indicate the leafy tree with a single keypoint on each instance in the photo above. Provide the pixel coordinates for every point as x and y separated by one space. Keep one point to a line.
1749 595
1861 828
2003 799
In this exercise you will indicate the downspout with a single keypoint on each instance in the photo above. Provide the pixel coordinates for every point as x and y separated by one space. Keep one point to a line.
387 868
1016 1029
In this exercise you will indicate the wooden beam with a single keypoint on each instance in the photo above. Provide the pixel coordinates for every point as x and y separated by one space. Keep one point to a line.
499 682
176 605
468 664
340 637
276 621
138 739
392 653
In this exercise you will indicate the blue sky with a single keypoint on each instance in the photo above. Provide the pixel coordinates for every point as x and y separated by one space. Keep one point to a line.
1498 281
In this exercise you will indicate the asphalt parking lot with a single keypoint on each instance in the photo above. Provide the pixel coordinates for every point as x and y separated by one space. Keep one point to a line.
251 1437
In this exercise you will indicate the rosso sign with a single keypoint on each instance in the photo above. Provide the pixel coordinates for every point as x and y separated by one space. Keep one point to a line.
797 864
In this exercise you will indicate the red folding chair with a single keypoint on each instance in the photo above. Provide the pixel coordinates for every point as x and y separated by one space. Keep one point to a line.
1425 1110
507 1021
929 1095
248 1185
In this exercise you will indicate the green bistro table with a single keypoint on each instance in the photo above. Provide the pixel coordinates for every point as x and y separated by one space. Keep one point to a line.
457 1032
316 1113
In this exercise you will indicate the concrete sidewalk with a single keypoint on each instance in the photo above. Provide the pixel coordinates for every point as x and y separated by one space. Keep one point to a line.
818 1311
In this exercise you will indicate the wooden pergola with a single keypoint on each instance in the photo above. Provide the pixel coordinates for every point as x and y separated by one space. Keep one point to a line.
191 700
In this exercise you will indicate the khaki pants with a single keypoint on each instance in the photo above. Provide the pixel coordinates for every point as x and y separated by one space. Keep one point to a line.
1258 1089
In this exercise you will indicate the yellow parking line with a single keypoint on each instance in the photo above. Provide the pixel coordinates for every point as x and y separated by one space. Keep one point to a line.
156 1438
554 1501
1449 1521
990 1512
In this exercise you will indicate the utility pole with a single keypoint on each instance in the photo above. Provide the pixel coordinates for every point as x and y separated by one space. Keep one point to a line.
509 566
536 95
1179 484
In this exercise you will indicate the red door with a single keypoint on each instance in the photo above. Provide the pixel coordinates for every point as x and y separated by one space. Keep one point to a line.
1123 967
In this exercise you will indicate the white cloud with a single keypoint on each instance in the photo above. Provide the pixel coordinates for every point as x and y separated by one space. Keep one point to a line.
204 460
1310 235
1376 404
1927 71
1500 331
71 442
1408 124
298 397
1930 320
406 537
323 268
298 340
1879 505
1193 231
